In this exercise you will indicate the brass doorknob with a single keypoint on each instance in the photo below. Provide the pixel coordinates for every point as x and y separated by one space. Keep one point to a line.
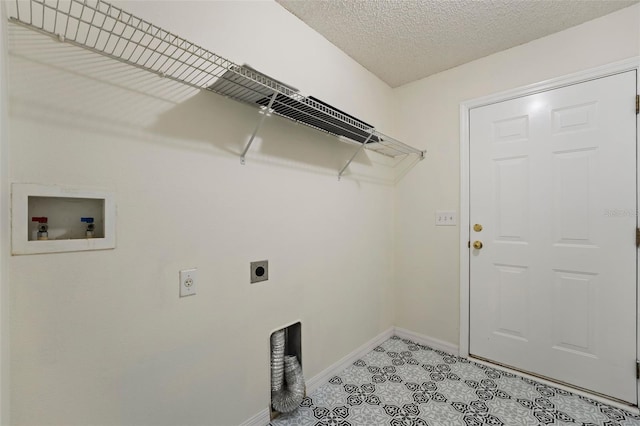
477 245
477 227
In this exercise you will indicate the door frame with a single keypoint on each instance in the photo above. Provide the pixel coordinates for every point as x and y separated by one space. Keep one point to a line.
631 64
5 237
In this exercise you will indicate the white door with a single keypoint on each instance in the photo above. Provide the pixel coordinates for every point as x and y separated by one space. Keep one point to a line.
553 185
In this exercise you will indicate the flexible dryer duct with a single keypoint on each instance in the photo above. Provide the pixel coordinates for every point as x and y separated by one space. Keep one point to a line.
285 398
277 360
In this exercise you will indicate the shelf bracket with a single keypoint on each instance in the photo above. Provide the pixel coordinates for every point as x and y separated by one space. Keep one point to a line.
265 113
354 154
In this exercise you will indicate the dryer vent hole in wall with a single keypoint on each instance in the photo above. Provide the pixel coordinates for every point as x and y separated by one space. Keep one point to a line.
287 382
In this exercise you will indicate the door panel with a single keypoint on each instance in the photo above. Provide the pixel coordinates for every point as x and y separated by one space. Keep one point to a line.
573 312
553 290
511 189
572 173
512 294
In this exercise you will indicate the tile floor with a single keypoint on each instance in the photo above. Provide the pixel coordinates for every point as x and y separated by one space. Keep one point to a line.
401 383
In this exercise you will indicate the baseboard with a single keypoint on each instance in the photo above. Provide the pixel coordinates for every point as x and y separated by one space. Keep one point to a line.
426 340
323 377
262 418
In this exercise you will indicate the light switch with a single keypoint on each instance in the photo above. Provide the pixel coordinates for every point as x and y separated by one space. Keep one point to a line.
446 218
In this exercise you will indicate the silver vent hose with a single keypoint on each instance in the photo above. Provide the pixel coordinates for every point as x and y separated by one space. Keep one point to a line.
285 399
277 361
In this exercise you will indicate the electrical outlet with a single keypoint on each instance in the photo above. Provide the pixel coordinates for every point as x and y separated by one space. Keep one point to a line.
188 282
259 271
446 218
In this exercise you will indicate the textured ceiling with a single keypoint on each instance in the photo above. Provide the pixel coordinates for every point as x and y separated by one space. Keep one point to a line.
404 40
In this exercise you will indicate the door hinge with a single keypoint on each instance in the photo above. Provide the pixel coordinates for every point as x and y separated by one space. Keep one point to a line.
637 369
637 237
637 104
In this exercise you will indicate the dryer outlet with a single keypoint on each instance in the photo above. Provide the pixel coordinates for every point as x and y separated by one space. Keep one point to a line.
259 271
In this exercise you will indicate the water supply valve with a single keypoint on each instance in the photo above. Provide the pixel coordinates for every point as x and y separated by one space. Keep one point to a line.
43 228
90 226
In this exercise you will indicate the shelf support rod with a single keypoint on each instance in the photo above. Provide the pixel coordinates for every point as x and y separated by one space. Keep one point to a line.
265 113
354 154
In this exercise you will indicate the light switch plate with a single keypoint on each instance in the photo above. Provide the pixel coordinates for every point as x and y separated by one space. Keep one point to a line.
446 218
188 282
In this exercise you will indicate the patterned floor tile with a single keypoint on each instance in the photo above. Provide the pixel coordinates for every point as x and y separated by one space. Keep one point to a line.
402 383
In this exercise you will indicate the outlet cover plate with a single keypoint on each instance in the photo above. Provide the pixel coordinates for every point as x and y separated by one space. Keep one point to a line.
259 271
188 282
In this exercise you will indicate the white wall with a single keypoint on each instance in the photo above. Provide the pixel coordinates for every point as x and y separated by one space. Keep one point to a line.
427 257
102 337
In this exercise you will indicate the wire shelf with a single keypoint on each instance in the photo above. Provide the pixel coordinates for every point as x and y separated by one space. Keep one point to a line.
113 32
